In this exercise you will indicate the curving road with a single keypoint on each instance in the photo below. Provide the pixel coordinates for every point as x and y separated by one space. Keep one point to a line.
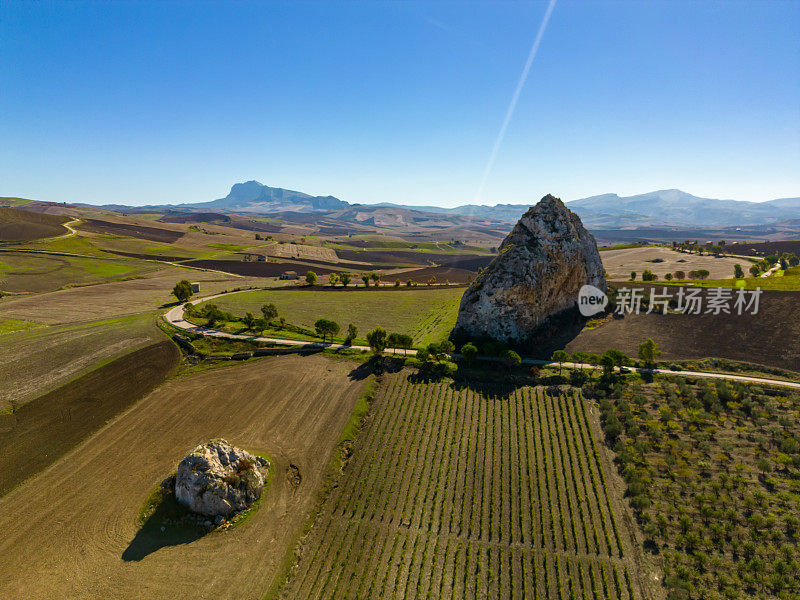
174 317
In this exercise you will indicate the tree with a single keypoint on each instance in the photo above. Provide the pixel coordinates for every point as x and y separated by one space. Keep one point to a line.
345 279
784 264
213 314
365 279
270 311
738 272
248 320
423 355
435 351
377 340
376 278
311 278
325 327
406 342
754 270
633 275
393 341
470 352
648 275
396 283
680 275
352 333
648 352
793 260
182 290
560 357
511 359
260 324
607 362
668 276
189 310
333 279
447 347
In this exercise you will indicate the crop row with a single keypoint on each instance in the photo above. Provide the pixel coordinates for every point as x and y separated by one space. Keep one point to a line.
462 492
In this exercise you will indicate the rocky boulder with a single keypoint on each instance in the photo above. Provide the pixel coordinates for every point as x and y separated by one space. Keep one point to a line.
535 279
217 479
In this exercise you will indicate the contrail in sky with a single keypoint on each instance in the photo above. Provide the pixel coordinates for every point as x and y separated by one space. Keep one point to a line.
513 104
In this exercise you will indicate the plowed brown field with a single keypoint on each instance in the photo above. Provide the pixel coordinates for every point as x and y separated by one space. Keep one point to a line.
65 530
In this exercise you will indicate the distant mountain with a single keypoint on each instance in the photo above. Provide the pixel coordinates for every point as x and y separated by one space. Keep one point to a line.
677 208
663 208
253 196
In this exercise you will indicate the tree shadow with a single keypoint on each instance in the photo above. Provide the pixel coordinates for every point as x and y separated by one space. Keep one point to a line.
377 365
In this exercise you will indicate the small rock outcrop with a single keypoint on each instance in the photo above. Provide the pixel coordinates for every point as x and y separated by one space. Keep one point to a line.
217 479
535 279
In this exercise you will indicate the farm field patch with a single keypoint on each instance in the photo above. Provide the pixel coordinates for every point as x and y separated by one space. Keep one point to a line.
39 432
36 361
35 272
23 225
427 315
767 338
12 325
109 300
65 531
712 474
619 263
472 492
153 234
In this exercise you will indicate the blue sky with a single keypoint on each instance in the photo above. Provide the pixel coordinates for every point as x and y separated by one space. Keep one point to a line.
168 102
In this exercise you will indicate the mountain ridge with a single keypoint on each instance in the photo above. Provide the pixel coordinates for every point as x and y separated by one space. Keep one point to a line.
669 207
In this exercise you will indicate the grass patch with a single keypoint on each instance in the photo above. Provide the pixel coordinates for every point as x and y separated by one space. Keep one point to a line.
162 509
428 315
11 325
788 280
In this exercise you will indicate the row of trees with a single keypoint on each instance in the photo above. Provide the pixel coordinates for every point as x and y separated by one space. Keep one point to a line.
648 275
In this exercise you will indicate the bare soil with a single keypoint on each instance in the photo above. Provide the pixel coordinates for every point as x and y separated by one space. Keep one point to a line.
153 234
767 248
24 226
620 263
767 338
92 303
65 531
43 430
37 361
258 269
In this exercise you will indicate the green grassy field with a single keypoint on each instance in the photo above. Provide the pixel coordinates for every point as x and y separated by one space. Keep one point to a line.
427 315
34 272
76 244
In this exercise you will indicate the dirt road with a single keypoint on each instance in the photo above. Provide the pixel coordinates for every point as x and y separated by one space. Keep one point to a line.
175 317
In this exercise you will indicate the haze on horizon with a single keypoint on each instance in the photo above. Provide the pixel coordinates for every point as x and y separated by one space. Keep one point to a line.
156 103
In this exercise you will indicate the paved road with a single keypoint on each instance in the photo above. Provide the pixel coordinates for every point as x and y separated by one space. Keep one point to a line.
175 317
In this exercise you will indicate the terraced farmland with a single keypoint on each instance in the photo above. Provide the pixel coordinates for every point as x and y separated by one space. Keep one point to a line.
468 493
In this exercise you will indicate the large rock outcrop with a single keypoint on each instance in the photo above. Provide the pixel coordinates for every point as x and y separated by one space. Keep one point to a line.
535 279
217 479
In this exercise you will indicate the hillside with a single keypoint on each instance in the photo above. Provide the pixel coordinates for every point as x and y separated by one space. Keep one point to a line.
22 226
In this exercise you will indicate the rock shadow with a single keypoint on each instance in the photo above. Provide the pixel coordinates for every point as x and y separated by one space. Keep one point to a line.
150 538
168 524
